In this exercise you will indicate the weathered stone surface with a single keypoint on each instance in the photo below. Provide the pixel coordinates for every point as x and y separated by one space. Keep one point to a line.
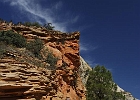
83 70
18 84
128 95
27 81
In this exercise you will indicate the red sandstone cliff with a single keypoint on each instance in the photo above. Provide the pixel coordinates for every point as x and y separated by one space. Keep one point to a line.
21 80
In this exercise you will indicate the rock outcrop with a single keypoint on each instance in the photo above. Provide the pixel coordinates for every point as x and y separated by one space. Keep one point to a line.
128 95
83 70
20 79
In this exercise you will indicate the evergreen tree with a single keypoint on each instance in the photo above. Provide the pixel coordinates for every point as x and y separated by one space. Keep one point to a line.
100 85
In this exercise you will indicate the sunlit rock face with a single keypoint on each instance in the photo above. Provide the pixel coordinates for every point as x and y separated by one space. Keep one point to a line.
23 80
128 95
83 70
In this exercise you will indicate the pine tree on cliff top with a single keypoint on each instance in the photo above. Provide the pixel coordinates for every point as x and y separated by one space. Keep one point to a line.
100 85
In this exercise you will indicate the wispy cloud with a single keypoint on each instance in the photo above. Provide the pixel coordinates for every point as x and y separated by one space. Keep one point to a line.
34 10
90 61
84 47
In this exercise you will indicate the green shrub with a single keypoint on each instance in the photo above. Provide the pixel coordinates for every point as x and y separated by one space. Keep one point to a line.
50 59
35 46
36 24
49 26
63 41
32 24
10 37
2 51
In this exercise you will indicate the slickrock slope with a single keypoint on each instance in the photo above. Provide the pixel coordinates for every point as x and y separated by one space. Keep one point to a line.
22 80
83 70
128 95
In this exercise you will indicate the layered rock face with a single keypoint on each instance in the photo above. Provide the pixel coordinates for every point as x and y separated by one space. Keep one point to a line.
20 80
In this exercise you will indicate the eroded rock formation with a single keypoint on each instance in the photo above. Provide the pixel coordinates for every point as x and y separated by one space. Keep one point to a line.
23 80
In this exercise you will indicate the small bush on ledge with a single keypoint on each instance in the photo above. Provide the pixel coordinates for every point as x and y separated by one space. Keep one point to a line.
50 59
28 24
35 47
9 37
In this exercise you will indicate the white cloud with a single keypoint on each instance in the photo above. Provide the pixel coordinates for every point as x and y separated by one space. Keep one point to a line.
34 10
75 19
87 47
90 61
58 5
83 48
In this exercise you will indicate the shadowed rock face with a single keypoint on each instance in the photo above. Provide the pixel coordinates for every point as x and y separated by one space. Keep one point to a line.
23 80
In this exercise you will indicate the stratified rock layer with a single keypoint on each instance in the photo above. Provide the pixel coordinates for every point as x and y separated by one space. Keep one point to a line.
19 79
24 80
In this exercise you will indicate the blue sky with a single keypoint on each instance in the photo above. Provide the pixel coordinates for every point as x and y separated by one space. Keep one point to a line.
110 31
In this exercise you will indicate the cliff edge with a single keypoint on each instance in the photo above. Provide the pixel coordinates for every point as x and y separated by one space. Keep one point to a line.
23 76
